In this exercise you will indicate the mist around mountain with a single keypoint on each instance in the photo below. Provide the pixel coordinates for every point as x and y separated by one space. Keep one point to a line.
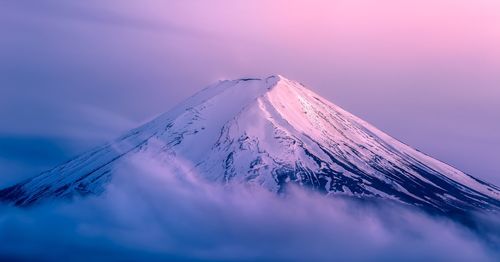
149 213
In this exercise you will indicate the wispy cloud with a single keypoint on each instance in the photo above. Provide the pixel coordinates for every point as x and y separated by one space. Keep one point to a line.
148 213
104 13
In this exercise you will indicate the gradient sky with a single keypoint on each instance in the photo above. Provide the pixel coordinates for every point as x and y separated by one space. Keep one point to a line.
74 74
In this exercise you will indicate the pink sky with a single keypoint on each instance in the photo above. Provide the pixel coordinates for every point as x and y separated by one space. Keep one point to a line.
407 28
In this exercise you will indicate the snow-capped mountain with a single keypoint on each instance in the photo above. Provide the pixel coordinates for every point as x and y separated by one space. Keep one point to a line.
271 132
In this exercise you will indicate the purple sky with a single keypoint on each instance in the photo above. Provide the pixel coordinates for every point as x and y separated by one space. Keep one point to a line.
74 74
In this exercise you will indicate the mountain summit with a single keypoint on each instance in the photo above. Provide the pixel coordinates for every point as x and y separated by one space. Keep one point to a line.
271 132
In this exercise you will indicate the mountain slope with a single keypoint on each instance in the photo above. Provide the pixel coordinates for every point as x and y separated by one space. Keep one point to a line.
271 132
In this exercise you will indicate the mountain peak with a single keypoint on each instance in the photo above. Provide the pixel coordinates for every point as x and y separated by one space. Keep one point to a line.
266 83
271 132
269 81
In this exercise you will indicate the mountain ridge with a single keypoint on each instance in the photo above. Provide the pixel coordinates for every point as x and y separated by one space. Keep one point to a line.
271 132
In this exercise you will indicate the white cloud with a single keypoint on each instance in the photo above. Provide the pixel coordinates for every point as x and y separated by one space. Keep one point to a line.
150 214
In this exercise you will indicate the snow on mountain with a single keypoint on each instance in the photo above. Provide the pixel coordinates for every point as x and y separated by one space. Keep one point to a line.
271 132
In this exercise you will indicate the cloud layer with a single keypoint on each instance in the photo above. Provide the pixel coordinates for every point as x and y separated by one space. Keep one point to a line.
149 214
